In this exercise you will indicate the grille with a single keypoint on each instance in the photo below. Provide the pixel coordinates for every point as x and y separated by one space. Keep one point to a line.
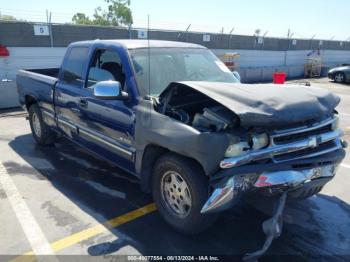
309 152
300 136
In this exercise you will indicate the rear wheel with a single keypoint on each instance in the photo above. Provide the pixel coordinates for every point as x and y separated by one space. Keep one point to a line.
42 133
339 77
180 190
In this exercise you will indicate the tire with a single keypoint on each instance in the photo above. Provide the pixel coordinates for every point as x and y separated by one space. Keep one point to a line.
339 77
42 133
188 219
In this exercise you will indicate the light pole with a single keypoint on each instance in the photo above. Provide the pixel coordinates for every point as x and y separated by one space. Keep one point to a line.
180 33
289 35
230 37
49 25
187 32
312 38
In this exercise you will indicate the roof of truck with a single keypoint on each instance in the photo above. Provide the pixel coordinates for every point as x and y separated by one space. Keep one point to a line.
135 43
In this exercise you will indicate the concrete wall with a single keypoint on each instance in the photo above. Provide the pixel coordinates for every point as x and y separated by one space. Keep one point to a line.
21 58
8 94
29 57
258 66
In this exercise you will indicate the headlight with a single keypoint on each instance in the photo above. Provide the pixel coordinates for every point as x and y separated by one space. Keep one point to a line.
335 123
260 141
236 149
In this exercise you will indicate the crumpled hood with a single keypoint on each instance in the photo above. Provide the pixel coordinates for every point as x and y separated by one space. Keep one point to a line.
269 105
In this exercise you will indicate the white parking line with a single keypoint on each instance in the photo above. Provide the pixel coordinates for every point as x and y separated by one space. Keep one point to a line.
31 228
345 165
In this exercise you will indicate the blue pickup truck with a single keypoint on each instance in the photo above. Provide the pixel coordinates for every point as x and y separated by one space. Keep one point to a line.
173 115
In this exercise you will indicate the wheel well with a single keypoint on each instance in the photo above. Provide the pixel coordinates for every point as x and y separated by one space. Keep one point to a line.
150 156
29 100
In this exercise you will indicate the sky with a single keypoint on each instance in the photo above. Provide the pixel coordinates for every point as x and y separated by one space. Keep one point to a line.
305 18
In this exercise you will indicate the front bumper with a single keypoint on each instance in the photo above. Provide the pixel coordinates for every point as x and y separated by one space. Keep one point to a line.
304 182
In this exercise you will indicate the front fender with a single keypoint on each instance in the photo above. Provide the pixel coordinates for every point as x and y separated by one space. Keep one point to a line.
151 127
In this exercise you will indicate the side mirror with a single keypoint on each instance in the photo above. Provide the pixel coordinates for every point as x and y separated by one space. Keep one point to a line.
109 90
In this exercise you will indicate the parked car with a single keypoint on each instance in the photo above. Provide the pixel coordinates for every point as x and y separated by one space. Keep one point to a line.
175 116
340 74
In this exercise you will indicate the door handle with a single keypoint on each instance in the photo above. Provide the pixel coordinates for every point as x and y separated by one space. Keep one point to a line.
75 110
83 103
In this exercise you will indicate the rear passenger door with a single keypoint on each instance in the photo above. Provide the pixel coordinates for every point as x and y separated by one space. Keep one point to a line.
68 89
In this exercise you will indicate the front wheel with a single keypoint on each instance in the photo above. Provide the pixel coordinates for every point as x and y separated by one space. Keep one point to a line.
180 189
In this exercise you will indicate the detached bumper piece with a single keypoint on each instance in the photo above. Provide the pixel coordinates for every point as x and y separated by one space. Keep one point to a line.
223 196
227 193
272 229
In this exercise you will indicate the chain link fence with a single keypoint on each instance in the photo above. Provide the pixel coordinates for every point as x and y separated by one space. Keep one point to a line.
22 34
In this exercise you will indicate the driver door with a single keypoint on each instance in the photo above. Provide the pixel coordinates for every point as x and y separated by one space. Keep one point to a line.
106 126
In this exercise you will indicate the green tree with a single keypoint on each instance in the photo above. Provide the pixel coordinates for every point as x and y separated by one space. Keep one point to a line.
8 18
118 13
81 19
100 17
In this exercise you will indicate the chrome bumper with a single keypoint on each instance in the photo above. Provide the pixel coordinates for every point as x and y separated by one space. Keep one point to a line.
275 150
225 193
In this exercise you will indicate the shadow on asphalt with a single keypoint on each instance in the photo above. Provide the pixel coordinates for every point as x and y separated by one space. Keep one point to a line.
104 192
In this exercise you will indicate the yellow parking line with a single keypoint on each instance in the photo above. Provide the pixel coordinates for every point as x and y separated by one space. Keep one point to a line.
91 232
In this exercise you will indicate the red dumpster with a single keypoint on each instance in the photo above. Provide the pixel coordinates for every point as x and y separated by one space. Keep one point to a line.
279 78
4 52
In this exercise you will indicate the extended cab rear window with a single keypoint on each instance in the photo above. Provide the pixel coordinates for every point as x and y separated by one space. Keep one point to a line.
73 66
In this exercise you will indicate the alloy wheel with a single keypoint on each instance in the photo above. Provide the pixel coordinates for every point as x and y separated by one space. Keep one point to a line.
176 194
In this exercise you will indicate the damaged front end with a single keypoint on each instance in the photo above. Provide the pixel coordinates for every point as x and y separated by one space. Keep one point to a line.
293 158
277 138
295 165
281 142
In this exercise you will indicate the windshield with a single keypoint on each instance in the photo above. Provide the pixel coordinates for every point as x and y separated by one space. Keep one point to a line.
175 65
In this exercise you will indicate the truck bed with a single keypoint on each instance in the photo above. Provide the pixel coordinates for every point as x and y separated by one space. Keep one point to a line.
53 72
37 84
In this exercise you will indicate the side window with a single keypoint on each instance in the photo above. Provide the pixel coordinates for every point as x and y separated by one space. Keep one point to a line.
105 66
73 67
